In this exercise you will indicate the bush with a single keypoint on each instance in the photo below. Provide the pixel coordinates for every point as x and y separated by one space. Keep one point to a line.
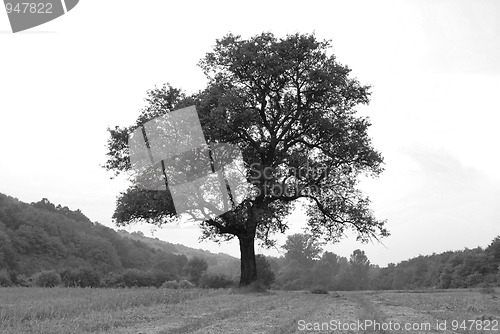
170 285
319 290
113 280
264 272
195 268
487 288
22 281
47 279
294 285
185 284
258 286
82 277
215 281
138 278
132 278
88 277
68 278
5 279
160 277
173 284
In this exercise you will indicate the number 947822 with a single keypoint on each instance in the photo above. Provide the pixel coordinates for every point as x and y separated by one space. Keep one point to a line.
29 8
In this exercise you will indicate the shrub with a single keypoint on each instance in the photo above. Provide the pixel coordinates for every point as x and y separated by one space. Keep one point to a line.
185 284
258 286
5 279
173 284
215 281
195 268
82 277
170 285
294 285
47 279
160 277
318 290
138 278
487 288
113 280
23 281
88 277
264 272
68 277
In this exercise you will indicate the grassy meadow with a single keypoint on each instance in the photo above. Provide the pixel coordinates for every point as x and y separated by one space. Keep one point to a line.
148 311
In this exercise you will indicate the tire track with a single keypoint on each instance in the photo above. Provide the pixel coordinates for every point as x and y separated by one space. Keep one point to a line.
276 314
336 309
418 321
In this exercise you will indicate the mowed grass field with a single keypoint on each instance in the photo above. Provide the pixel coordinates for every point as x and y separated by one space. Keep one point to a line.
148 311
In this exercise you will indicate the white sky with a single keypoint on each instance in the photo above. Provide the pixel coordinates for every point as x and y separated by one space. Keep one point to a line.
434 66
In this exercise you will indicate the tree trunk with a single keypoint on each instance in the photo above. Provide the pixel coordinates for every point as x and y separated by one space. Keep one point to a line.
248 265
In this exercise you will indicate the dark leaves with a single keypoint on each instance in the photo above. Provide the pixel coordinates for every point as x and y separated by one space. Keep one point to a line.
287 104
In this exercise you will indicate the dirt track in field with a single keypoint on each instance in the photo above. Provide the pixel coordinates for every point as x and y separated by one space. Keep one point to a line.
301 312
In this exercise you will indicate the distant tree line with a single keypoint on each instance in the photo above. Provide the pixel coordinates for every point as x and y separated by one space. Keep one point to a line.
306 266
46 245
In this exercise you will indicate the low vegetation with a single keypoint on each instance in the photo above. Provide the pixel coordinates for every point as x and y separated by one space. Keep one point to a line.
151 310
319 291
42 310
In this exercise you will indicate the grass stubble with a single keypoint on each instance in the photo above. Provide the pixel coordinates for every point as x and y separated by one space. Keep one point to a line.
164 311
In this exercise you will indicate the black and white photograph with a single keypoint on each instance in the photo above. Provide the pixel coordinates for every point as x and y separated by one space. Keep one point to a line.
262 167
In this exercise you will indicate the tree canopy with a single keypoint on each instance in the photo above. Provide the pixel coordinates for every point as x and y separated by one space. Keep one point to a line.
290 108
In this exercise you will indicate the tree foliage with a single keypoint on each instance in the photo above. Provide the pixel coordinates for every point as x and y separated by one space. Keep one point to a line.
5 279
215 281
359 269
195 269
264 271
302 248
290 107
47 279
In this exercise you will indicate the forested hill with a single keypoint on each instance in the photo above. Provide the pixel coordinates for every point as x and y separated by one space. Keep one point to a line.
42 236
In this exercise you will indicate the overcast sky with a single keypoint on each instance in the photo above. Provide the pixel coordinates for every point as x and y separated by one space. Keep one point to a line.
434 67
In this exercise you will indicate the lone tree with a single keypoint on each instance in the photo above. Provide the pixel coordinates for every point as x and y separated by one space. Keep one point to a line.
289 107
